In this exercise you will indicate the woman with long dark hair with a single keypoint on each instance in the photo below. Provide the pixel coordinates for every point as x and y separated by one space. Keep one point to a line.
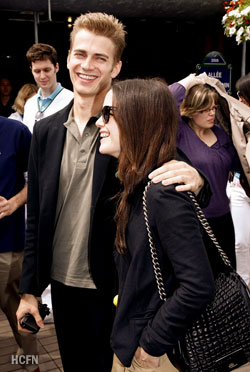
138 126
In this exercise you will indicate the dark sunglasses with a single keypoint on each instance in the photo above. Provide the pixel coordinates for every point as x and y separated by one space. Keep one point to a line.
106 112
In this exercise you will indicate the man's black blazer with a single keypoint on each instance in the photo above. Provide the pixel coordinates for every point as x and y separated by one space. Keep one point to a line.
43 181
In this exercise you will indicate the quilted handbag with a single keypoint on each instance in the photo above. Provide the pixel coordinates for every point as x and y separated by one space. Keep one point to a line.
219 340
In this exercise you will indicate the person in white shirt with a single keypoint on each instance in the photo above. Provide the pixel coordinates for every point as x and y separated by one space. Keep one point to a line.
51 96
240 200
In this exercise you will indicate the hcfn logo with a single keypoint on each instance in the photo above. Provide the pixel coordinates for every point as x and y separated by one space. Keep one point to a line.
24 359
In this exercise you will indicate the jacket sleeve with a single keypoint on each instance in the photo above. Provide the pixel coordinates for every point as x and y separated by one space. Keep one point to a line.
179 93
24 148
177 233
28 283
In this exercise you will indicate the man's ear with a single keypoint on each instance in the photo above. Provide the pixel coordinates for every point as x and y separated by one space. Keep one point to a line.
68 58
57 67
116 69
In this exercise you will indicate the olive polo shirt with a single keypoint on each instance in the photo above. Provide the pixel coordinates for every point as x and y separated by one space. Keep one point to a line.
71 237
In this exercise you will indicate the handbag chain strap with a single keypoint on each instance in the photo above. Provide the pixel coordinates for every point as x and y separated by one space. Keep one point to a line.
153 251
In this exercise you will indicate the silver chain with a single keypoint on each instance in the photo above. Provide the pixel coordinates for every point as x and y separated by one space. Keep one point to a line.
153 251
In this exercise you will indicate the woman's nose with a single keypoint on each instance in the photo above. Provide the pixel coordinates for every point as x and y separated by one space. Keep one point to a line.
99 123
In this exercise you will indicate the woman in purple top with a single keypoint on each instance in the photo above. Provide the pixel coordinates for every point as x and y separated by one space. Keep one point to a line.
211 150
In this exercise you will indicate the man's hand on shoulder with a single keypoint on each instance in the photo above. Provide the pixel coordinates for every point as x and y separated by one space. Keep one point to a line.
179 172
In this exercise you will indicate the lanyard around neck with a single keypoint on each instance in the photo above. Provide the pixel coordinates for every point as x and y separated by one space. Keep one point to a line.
39 109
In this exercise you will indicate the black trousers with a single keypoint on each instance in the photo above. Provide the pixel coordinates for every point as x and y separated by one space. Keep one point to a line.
223 230
83 321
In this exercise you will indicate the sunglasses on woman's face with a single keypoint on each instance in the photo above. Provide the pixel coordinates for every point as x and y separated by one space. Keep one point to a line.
107 112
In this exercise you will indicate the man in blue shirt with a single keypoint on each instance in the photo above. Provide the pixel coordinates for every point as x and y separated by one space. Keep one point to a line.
15 141
51 96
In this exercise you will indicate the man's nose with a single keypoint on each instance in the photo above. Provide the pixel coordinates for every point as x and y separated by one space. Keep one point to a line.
42 74
87 63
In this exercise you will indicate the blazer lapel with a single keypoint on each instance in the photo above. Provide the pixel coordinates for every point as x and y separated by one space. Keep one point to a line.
100 172
54 150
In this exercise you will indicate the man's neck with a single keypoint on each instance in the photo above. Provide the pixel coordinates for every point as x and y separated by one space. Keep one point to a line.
86 107
48 91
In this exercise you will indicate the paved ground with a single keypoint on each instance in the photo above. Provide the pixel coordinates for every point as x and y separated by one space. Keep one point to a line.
49 359
246 368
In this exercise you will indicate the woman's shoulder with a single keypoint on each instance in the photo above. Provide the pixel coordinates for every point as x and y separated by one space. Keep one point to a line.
222 135
159 194
219 130
166 205
158 188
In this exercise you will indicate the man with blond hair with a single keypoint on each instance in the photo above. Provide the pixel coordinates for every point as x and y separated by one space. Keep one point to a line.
70 230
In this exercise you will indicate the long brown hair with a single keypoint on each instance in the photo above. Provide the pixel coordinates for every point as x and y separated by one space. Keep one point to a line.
146 115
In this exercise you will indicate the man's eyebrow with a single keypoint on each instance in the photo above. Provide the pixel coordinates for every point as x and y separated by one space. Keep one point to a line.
95 54
102 55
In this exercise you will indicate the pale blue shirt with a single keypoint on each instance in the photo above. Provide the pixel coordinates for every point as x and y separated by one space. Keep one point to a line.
43 103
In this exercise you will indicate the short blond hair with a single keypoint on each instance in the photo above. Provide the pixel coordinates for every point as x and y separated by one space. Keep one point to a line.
198 98
24 93
104 25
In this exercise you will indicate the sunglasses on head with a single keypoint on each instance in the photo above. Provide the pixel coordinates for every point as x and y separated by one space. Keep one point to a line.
106 112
